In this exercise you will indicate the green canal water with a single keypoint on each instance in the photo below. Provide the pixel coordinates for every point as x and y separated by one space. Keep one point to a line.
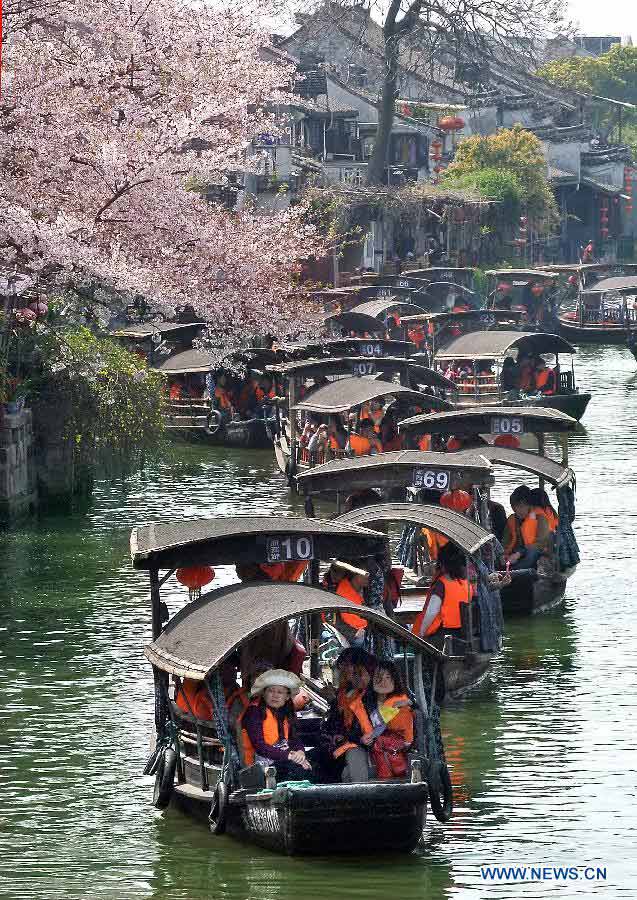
543 757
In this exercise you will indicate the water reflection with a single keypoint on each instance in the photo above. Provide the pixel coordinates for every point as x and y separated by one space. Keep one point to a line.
542 757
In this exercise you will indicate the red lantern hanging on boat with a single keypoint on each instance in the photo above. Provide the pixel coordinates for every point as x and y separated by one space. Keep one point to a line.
572 280
537 289
507 440
194 578
504 287
458 500
451 123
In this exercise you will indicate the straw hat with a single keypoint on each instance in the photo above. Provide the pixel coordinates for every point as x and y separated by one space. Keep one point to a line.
276 678
349 569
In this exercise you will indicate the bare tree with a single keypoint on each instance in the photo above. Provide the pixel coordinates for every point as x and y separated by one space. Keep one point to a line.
427 36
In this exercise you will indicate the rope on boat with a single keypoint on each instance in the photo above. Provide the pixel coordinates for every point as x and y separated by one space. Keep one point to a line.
489 609
407 550
567 547
220 718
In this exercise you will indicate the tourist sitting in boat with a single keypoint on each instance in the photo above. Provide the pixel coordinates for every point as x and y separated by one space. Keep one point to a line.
381 731
545 379
268 727
442 610
192 696
510 377
336 435
349 582
359 443
526 369
264 391
540 499
390 437
527 534
367 430
318 444
175 390
309 429
225 400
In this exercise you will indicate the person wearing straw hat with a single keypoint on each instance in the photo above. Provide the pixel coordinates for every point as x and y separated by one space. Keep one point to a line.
269 727
350 583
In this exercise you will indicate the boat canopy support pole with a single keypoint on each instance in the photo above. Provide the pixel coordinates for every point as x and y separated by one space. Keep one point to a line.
155 600
166 577
419 687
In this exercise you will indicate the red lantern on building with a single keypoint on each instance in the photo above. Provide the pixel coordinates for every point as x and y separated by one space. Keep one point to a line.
194 578
451 123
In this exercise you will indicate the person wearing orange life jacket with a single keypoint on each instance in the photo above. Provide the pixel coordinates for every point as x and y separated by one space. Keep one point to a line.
540 499
382 729
192 697
458 500
337 436
390 437
545 380
358 442
268 732
175 391
377 414
451 588
527 534
368 433
350 583
223 396
424 442
526 371
417 335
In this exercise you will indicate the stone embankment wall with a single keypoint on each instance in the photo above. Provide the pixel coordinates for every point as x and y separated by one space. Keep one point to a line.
18 494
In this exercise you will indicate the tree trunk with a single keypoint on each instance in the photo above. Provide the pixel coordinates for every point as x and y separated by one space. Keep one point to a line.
376 168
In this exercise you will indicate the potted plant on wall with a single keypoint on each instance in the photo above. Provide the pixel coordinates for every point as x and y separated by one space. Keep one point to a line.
14 393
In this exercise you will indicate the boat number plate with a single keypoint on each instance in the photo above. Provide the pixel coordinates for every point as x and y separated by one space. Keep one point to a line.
506 425
364 368
371 350
403 283
384 292
436 479
286 547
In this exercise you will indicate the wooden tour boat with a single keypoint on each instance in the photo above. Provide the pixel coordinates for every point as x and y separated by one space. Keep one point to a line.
197 763
400 474
196 420
534 591
532 292
604 314
492 348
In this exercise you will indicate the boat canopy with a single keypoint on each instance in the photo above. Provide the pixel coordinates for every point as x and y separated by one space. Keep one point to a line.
498 345
340 396
205 632
462 531
488 316
555 473
362 365
384 306
514 420
398 469
164 329
247 539
356 320
523 274
187 362
623 283
362 346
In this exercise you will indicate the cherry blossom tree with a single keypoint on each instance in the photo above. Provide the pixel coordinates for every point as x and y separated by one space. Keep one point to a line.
111 112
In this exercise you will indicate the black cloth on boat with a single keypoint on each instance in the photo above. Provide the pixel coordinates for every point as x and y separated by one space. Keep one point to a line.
568 549
489 610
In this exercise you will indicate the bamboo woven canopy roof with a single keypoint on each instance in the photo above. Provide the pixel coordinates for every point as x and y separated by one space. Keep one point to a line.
480 315
385 305
205 632
625 283
187 362
164 329
242 539
498 344
395 469
477 420
461 531
386 365
340 396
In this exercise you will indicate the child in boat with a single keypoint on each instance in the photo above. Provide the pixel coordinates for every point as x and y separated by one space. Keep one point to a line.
382 729
269 727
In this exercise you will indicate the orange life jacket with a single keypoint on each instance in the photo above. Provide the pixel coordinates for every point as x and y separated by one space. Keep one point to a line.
402 723
395 443
545 381
435 542
457 591
348 592
416 335
175 392
424 442
193 698
551 518
270 733
523 533
285 571
454 444
239 694
359 445
223 398
333 443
